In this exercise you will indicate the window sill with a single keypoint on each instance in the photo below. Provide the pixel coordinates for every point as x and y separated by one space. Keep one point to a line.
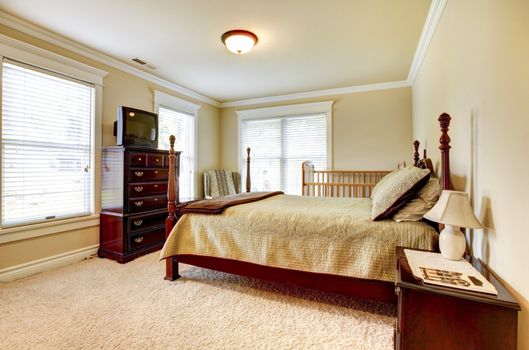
48 228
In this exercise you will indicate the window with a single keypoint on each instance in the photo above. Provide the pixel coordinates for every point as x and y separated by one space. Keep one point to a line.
178 117
182 126
282 142
47 148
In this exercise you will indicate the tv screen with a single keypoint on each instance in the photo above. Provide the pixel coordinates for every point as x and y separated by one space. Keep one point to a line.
136 128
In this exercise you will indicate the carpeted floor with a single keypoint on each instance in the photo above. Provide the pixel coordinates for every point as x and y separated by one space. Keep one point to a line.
100 304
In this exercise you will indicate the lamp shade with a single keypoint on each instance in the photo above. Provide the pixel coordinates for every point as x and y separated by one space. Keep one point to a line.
453 208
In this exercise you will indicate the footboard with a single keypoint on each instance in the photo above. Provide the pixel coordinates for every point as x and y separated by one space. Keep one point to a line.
339 183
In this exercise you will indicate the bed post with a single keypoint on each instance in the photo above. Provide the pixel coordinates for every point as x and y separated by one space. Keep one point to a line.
444 140
171 264
416 144
303 178
248 181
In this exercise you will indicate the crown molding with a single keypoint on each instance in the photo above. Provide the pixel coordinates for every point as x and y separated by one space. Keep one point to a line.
432 20
19 50
43 34
430 25
317 93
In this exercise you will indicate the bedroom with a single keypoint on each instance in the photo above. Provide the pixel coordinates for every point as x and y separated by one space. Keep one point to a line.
474 68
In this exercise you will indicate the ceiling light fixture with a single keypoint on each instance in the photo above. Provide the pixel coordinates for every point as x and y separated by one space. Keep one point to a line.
239 41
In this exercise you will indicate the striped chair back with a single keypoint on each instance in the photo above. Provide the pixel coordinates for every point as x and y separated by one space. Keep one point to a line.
220 183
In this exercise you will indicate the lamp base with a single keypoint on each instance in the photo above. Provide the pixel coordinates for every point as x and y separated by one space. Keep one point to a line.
452 243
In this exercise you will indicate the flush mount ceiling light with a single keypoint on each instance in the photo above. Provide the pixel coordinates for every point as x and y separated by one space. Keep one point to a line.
239 41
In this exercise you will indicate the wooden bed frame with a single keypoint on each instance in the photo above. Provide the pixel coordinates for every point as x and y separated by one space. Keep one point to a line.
382 291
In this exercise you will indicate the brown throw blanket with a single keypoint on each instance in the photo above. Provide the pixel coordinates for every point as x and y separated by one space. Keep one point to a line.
217 205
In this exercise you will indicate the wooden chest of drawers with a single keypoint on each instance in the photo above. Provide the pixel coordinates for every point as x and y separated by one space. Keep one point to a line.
134 201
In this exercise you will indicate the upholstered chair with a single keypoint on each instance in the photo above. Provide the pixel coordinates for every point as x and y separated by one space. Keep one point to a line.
220 183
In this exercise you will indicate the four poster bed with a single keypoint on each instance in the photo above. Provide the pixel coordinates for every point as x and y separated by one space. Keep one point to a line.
359 271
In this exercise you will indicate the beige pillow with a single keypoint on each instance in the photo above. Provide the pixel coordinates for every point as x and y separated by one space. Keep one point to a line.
381 182
397 190
425 199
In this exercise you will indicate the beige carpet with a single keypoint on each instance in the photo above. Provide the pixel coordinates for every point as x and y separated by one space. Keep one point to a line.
99 304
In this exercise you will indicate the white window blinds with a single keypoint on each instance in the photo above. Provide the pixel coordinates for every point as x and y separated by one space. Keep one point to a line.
182 126
46 145
279 146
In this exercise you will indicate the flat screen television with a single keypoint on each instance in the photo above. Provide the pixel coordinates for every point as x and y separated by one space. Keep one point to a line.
136 128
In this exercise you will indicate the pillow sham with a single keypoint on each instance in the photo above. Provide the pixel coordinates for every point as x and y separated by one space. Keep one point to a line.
380 183
425 199
397 190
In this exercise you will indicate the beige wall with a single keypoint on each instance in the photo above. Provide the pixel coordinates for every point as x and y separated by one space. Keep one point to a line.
477 69
371 130
120 88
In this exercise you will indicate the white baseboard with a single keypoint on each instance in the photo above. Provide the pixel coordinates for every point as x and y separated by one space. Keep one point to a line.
23 270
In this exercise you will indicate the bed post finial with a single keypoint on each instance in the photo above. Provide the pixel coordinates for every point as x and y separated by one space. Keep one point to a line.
416 144
444 140
248 181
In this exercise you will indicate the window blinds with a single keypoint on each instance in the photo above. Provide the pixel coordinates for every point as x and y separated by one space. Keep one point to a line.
46 145
279 146
182 126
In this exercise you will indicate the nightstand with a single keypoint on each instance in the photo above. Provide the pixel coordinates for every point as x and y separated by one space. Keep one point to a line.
433 317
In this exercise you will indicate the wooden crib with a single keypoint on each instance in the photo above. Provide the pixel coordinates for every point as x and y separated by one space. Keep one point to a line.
348 183
339 183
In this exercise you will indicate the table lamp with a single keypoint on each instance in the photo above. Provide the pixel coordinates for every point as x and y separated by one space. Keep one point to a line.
454 211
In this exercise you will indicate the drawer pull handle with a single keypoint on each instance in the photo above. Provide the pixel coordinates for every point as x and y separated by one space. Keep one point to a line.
138 173
156 171
138 203
138 239
157 160
155 186
139 159
138 222
138 188
156 199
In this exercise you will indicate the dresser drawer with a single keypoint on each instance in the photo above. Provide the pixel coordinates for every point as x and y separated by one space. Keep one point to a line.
141 222
143 239
137 159
147 203
143 189
155 160
139 175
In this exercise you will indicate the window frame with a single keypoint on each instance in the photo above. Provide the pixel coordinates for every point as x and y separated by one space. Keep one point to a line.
32 55
162 99
297 110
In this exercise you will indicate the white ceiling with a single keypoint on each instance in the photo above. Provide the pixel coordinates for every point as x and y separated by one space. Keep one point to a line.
304 45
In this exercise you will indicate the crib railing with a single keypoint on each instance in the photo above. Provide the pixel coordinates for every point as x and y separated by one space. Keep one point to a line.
339 183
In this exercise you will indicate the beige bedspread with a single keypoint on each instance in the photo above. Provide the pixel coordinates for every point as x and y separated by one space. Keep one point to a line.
327 235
